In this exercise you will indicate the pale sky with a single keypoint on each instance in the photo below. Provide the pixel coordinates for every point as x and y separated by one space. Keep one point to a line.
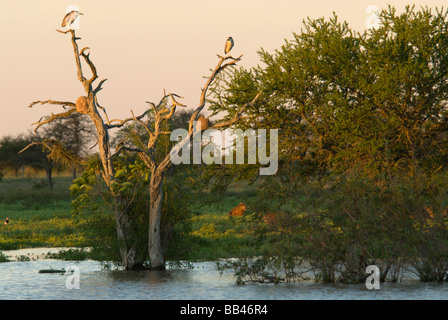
143 47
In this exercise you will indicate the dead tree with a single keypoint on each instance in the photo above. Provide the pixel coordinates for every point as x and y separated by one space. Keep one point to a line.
160 113
88 105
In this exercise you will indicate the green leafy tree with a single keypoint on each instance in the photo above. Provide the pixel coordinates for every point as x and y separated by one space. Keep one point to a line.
371 104
362 117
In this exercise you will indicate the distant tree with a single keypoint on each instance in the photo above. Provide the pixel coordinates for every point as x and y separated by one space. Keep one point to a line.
25 150
9 152
75 133
38 158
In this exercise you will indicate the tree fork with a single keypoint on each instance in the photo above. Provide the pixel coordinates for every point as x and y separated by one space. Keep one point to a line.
158 170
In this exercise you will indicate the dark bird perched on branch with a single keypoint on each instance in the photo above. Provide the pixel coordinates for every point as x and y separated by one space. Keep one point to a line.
229 45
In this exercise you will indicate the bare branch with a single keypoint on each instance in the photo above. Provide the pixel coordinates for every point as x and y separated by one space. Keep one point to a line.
64 32
219 67
167 160
84 49
102 108
160 116
152 105
62 103
52 118
155 108
99 86
124 148
92 68
173 108
94 145
78 61
172 95
121 123
232 62
144 125
57 152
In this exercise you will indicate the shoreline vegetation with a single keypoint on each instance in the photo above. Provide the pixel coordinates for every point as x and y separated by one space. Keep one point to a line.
42 222
43 218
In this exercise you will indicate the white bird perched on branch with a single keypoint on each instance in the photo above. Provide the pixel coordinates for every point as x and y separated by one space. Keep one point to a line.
70 18
229 45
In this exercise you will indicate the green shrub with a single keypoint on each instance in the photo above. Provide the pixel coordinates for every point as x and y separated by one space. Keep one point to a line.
345 225
3 258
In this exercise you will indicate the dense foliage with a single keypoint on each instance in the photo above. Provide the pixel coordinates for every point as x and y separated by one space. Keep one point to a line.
362 121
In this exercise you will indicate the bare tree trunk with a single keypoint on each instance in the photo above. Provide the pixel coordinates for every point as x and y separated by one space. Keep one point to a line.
125 224
128 243
130 246
155 212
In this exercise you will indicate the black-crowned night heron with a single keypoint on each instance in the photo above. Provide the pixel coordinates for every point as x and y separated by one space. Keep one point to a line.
229 45
70 18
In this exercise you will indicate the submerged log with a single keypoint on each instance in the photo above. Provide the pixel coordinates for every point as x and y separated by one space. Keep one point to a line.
51 271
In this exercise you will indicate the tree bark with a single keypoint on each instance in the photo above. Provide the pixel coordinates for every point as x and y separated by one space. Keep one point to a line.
155 211
125 224
128 243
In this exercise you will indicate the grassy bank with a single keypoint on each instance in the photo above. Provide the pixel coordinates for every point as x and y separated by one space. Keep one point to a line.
344 230
215 235
38 217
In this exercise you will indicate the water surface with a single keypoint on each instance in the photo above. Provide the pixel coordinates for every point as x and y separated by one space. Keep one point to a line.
21 280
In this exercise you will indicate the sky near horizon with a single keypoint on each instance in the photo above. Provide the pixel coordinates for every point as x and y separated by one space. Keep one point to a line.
143 47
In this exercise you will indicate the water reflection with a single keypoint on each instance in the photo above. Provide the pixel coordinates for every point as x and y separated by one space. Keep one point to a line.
149 277
21 280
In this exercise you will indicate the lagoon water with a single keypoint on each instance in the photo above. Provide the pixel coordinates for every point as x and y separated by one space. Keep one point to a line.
21 280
